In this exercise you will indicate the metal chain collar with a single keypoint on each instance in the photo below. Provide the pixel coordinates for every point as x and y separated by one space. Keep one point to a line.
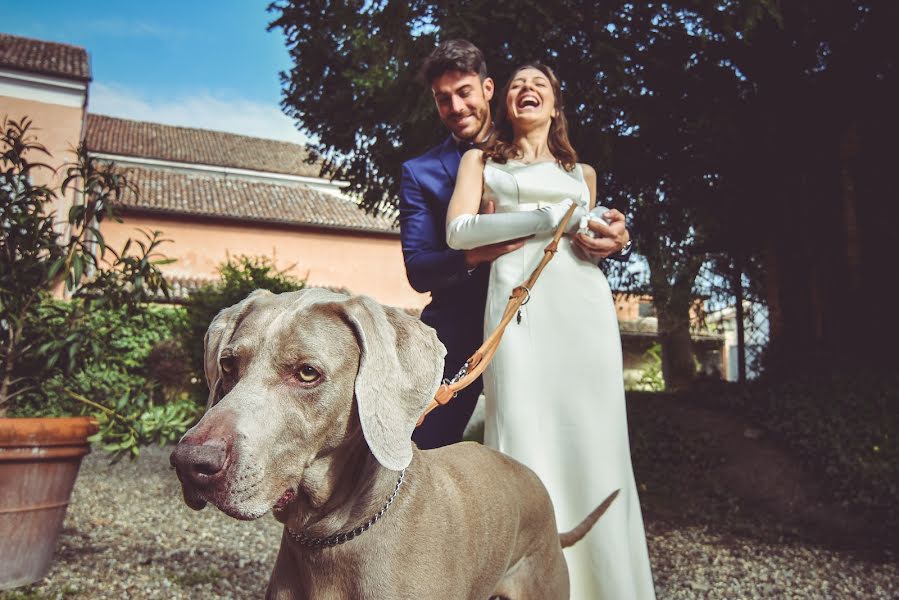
345 536
462 373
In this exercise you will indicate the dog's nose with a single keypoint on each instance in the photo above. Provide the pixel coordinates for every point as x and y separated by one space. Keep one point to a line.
199 462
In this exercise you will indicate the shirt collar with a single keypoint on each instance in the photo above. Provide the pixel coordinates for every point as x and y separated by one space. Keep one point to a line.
465 145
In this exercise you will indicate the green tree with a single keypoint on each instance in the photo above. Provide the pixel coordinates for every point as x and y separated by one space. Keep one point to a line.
649 88
814 163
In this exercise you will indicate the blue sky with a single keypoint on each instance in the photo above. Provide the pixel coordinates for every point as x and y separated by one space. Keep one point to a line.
198 63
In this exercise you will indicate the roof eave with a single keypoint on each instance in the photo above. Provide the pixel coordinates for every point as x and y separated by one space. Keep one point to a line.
129 208
47 73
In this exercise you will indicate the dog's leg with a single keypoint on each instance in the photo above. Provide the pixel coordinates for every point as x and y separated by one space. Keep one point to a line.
540 576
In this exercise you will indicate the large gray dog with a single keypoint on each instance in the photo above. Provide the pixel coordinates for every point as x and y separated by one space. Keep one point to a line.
282 432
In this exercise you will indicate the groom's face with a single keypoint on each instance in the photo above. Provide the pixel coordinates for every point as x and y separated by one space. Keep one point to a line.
463 102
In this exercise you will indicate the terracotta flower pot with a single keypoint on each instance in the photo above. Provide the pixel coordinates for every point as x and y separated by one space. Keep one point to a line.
39 460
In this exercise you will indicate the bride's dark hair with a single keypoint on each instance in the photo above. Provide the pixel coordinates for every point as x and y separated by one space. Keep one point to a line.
502 148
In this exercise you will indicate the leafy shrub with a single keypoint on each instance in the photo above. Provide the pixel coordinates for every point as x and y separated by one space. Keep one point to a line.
845 426
110 349
168 364
113 379
651 380
239 276
137 419
674 467
35 259
53 353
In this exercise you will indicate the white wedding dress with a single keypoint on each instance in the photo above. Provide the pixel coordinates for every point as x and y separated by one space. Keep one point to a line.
555 390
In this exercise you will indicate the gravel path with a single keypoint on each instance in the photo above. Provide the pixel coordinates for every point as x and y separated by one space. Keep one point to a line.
129 535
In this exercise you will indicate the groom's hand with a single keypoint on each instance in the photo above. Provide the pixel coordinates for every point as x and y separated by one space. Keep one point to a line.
488 253
610 239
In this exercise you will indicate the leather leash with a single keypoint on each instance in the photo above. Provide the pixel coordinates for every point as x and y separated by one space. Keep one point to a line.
478 361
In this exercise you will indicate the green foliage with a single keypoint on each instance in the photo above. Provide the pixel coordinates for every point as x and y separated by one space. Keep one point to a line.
674 468
136 419
112 346
651 380
35 259
112 378
168 364
649 90
719 127
85 356
643 81
239 276
843 425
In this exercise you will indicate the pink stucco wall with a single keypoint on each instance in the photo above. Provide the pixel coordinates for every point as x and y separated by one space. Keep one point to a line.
362 263
57 127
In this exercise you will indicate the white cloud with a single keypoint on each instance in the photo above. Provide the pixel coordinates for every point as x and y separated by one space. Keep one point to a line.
203 110
129 28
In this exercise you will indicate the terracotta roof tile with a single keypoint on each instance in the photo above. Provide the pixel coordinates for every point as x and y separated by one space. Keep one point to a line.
46 58
236 198
196 146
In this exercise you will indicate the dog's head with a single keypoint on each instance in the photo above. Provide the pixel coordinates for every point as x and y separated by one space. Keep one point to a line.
283 372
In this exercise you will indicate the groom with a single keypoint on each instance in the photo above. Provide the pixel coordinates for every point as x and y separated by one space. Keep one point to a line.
457 279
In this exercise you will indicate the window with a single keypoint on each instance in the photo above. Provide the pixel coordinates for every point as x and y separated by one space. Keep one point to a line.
646 309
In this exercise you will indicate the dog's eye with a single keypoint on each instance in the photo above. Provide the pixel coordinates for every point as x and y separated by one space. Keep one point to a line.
227 364
307 374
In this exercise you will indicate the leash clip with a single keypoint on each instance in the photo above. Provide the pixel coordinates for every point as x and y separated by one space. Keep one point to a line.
462 373
527 299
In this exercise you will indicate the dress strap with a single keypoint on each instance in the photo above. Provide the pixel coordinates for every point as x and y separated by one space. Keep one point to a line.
585 194
579 169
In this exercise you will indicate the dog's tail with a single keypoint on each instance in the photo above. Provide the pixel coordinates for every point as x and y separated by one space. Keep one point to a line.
570 538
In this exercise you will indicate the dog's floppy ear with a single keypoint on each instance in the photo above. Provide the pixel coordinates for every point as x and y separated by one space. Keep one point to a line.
400 367
219 332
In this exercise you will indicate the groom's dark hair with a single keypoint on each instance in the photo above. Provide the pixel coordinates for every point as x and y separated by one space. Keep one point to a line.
453 55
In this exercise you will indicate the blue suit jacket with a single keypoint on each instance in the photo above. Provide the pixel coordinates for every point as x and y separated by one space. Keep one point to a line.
457 303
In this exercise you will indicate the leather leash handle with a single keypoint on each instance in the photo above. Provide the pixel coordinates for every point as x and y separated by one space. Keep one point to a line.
478 361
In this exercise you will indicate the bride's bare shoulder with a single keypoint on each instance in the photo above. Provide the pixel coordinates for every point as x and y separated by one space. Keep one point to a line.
589 172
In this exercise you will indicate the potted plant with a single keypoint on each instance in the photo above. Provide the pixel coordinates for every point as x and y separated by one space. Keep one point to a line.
42 441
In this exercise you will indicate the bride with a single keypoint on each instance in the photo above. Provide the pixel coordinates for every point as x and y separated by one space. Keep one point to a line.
555 390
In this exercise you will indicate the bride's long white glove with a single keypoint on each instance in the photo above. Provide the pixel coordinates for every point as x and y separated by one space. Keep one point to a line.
470 231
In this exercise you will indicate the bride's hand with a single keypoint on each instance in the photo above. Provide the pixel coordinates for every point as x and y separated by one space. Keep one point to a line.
610 237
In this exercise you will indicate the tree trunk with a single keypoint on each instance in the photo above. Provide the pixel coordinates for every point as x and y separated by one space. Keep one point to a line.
737 284
849 151
672 289
773 293
678 365
8 369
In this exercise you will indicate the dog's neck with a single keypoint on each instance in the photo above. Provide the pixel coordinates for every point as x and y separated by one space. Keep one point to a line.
339 492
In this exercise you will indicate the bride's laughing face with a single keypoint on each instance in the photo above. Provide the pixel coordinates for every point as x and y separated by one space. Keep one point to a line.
530 100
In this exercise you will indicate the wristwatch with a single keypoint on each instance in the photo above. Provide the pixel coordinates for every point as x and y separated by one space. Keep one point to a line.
626 248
